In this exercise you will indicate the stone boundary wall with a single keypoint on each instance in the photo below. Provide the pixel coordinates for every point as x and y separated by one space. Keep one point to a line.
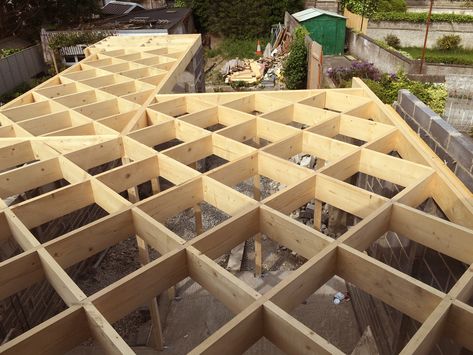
454 148
390 61
412 34
365 48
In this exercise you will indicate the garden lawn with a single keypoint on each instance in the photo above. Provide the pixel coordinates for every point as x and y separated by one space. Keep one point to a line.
231 48
459 56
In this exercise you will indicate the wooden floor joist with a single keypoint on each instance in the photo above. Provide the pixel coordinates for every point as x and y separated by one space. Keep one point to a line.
114 107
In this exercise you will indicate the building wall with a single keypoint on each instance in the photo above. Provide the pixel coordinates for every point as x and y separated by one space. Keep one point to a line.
412 34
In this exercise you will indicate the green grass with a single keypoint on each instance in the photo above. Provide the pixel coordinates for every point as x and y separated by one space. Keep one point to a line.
231 48
459 56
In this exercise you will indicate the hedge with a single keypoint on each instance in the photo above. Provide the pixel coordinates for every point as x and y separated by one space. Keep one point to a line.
448 59
420 17
295 66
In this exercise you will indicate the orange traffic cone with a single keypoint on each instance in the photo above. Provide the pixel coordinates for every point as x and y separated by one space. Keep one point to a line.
258 49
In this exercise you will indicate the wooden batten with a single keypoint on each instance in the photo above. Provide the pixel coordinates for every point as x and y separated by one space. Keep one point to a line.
89 135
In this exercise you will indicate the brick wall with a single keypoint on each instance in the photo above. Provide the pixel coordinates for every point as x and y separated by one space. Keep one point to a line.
453 147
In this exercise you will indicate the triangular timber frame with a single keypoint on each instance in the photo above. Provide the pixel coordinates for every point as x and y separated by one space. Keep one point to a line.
112 106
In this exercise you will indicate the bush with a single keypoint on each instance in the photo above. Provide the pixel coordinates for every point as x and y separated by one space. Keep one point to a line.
361 7
391 6
420 17
449 42
342 76
295 66
387 88
368 8
393 41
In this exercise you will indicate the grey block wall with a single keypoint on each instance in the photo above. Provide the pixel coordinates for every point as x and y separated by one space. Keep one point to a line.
453 147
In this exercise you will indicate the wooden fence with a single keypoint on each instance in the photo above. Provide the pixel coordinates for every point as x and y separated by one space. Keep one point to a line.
20 67
356 22
314 64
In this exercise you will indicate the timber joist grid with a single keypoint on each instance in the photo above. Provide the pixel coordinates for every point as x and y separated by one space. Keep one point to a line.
108 108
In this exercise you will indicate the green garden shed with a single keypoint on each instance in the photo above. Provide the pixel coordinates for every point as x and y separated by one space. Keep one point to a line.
326 28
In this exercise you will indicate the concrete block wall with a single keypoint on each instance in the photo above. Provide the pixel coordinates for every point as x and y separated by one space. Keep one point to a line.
453 147
193 78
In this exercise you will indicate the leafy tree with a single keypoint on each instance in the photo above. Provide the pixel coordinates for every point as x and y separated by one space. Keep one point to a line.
25 17
242 19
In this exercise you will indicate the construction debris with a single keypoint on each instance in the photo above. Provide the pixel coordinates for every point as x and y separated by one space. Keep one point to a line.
267 69
248 71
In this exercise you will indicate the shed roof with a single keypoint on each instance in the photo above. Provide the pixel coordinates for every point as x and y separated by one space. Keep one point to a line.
308 14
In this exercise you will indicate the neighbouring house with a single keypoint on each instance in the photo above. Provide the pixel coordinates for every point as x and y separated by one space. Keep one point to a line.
328 5
325 27
135 22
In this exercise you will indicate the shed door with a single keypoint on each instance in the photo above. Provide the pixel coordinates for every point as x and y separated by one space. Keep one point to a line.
326 35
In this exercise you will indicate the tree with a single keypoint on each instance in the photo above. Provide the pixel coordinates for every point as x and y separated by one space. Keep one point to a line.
244 18
25 17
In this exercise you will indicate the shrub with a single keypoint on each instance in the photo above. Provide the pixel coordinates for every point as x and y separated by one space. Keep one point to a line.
368 8
341 76
393 41
361 7
449 42
387 88
295 66
391 5
180 3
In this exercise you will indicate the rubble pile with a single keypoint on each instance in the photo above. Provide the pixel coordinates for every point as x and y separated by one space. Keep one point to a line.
265 71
